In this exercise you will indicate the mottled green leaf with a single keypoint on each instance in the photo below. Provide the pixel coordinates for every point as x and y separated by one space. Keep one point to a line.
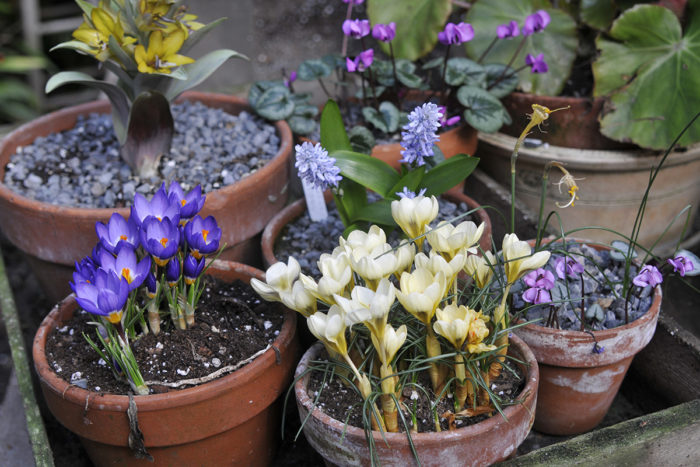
361 139
464 71
311 70
275 104
259 87
598 14
301 125
500 79
385 119
482 110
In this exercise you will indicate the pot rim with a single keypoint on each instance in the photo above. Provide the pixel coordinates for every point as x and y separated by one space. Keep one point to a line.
172 399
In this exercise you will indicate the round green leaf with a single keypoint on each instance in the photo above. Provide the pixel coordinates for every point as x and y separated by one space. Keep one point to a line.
385 119
500 79
598 14
482 111
464 71
311 70
275 104
301 125
258 88
361 139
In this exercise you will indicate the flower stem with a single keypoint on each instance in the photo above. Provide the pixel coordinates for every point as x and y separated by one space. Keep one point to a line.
583 307
488 49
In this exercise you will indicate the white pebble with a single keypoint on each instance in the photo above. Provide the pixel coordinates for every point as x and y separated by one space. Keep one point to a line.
101 362
183 372
159 345
214 329
216 362
75 376
247 327
267 324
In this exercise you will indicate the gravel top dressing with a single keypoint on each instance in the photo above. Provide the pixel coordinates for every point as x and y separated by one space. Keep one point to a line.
81 167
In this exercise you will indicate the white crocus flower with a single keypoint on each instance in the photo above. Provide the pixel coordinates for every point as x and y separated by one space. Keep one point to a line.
373 265
421 292
436 263
278 278
366 241
389 343
404 258
370 307
414 214
481 268
330 329
449 240
299 299
519 259
453 323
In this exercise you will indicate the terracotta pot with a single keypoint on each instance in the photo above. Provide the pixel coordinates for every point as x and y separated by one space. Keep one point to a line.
233 420
577 386
484 443
54 237
612 186
297 208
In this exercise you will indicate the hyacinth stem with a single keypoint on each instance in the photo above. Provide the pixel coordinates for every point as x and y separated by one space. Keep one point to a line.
432 347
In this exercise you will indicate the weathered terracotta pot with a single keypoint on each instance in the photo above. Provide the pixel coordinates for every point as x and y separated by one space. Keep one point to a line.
54 237
297 208
484 443
578 386
233 420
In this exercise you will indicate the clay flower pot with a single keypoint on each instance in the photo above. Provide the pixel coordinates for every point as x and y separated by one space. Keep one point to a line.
54 237
484 443
578 386
297 208
233 420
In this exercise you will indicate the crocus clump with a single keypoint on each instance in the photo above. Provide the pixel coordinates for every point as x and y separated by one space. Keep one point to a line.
152 260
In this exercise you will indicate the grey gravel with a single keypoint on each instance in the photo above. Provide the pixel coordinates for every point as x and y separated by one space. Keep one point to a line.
82 167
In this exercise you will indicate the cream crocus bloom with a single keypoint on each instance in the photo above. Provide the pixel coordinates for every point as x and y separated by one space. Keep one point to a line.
370 307
278 278
519 259
436 263
480 268
453 323
404 258
329 328
389 343
477 333
373 265
414 214
336 273
358 240
421 292
449 240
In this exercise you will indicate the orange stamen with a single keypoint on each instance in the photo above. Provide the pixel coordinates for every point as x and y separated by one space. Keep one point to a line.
164 241
204 234
122 237
126 274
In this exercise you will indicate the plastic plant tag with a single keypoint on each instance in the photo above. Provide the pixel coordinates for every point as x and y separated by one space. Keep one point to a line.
315 202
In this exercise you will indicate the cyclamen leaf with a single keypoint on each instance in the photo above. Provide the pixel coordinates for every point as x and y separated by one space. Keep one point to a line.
503 86
275 104
405 74
361 139
385 119
301 125
482 110
464 71
258 88
598 14
311 70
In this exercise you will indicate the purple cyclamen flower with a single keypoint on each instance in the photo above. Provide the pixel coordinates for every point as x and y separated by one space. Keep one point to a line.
420 134
598 348
506 31
159 207
292 77
190 203
648 276
161 239
456 33
444 121
681 264
536 64
315 167
85 270
536 296
105 297
356 28
384 32
117 233
192 269
126 265
354 2
172 272
151 285
406 193
567 266
202 235
536 22
540 278
361 62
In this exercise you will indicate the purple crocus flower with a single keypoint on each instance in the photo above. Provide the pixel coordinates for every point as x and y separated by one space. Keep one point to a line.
536 64
567 266
356 28
536 296
172 272
681 264
190 203
315 166
160 239
202 235
192 268
540 278
384 32
648 276
151 285
361 62
117 233
105 297
536 22
506 31
126 265
406 193
420 134
97 253
160 207
85 270
456 33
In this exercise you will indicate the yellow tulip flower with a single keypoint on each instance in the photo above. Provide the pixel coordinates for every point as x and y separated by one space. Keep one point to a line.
161 55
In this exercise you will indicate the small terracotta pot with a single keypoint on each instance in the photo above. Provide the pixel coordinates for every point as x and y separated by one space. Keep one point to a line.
233 420
54 237
578 386
297 208
484 443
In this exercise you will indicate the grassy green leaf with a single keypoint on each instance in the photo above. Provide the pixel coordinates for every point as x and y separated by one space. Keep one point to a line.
199 71
333 134
448 174
369 172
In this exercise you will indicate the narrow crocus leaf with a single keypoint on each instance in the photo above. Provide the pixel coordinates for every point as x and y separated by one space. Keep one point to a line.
149 133
333 134
199 71
311 70
449 173
275 104
371 173
482 110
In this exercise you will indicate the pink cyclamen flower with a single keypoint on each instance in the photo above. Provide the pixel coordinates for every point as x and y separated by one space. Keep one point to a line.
356 27
354 2
456 33
567 266
292 77
361 62
536 64
540 278
649 275
506 31
384 32
536 296
681 264
536 22
446 121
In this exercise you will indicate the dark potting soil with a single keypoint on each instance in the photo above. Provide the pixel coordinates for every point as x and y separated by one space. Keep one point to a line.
82 166
344 403
231 324
306 240
602 286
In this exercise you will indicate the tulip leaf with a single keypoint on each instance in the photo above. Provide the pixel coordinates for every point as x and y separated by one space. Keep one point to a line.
149 133
482 110
368 171
500 79
411 180
448 173
78 46
199 71
361 139
378 212
558 42
385 119
121 55
85 6
694 260
651 79
195 36
464 71
275 104
418 23
333 134
311 70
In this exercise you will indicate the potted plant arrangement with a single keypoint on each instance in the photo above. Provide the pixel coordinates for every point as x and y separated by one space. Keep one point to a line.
434 341
170 379
602 65
145 45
